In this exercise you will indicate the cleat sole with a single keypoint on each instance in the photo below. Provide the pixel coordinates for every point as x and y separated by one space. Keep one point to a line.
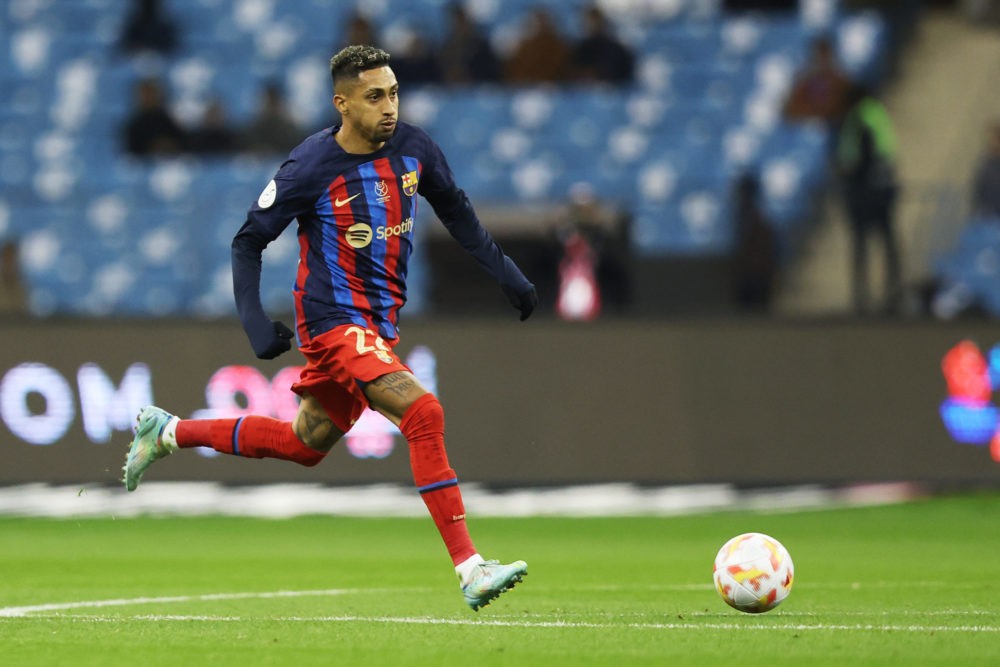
516 580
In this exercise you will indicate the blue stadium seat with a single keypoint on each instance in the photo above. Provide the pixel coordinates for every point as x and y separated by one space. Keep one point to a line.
697 222
973 264
667 149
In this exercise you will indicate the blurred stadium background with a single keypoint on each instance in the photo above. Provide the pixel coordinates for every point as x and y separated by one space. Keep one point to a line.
114 247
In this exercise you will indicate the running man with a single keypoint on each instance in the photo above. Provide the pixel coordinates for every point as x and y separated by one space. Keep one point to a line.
353 190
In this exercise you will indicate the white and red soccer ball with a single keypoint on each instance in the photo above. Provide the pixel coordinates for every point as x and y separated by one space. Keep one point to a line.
753 573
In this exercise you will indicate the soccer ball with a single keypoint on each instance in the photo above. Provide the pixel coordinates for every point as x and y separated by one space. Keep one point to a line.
753 573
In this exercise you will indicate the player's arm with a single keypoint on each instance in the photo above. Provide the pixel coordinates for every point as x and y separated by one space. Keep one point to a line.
266 219
267 338
453 208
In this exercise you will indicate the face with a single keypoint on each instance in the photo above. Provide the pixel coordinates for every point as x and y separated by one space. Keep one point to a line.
369 105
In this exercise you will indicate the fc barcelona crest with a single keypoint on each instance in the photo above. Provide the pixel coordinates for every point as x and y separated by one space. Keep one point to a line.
410 183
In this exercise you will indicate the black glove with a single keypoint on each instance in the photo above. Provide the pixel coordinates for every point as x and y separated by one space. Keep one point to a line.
519 290
269 339
524 300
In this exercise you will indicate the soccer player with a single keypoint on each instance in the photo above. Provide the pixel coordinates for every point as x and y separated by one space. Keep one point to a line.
353 190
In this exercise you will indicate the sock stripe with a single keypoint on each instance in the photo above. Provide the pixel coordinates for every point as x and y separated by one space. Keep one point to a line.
438 485
236 436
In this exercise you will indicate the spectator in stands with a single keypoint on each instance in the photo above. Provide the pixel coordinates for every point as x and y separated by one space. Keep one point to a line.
599 56
866 157
821 89
586 222
12 297
272 130
755 257
542 55
986 184
148 29
359 31
466 55
214 135
151 129
415 63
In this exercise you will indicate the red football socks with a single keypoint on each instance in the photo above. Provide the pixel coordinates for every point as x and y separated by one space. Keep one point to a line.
423 428
251 436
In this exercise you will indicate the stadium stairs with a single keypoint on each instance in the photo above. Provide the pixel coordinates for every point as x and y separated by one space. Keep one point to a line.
941 101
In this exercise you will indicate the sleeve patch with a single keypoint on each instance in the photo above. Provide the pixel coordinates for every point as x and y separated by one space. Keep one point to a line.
268 196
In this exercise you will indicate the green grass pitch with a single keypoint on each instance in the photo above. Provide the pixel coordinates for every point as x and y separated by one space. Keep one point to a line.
907 584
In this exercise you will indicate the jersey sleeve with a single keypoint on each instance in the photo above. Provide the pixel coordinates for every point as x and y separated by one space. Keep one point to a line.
284 198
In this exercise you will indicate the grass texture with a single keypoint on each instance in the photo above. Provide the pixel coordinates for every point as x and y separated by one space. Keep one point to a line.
907 584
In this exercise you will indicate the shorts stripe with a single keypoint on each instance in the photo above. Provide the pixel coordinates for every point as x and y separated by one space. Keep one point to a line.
438 485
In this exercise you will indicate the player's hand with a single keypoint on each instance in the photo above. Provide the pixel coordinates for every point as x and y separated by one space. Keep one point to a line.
524 300
519 290
270 339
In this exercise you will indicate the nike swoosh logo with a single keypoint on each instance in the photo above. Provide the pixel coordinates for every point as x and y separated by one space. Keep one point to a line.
338 202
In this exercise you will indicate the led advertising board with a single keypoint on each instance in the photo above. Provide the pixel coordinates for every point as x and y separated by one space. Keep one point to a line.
537 403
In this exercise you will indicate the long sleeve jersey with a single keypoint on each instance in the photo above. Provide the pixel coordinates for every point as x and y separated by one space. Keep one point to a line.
355 218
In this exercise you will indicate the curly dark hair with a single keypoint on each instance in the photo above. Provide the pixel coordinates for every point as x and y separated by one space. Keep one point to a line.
352 60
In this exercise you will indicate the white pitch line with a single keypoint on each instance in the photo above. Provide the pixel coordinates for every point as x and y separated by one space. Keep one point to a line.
811 614
122 602
420 620
38 612
831 585
126 602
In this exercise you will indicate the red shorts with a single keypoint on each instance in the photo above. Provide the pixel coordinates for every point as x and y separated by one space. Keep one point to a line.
338 365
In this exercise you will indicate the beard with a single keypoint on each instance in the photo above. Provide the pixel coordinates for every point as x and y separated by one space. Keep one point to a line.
380 134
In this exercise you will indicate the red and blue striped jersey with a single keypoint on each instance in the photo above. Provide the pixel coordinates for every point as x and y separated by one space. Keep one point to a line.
355 218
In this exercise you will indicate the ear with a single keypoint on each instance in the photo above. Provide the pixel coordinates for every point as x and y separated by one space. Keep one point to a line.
340 104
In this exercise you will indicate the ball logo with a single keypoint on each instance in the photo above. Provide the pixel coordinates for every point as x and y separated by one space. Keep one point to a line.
359 235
